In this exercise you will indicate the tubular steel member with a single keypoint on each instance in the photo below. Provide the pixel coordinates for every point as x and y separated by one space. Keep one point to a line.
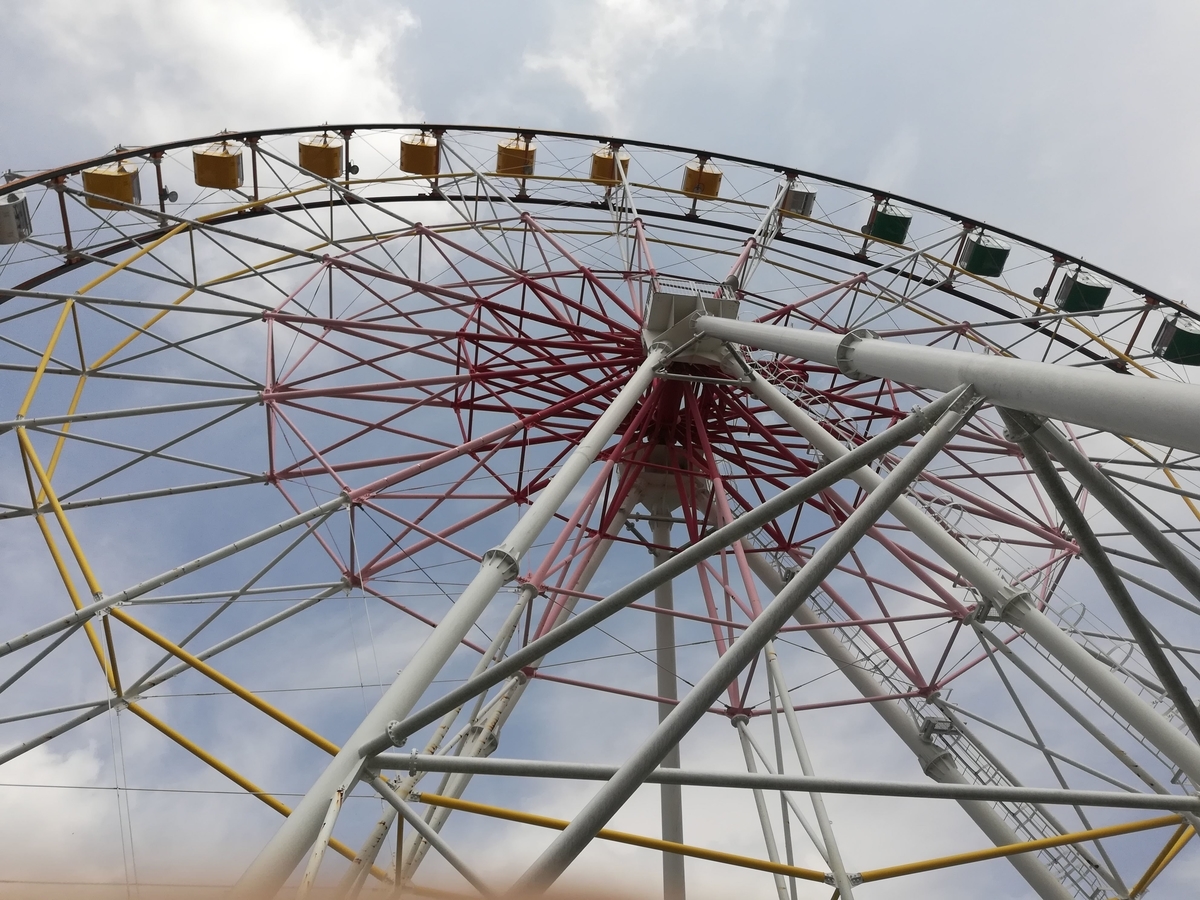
1185 804
1094 555
289 845
435 840
613 795
762 865
396 733
486 731
1174 560
1137 407
90 611
356 874
775 673
976 573
760 804
935 762
670 795
1014 605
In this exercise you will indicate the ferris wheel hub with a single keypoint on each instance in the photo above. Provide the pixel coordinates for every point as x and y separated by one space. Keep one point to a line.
674 303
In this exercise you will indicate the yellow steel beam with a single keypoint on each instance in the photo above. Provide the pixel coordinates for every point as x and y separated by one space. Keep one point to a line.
237 778
1075 837
1148 875
1177 842
763 865
1165 468
59 515
225 681
41 366
622 837
172 648
86 368
67 580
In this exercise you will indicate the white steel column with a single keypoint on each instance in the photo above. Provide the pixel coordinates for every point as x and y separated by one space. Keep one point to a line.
670 795
775 673
760 805
1016 606
276 861
1151 408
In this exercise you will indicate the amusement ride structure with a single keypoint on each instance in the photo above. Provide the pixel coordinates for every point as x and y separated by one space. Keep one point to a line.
386 480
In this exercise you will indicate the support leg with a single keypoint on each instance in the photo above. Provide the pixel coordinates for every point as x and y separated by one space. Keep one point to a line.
670 795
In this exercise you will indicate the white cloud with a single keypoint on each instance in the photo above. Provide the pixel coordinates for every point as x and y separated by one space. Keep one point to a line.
611 49
38 824
155 71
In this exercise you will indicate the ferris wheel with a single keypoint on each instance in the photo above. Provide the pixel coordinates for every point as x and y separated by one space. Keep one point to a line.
433 508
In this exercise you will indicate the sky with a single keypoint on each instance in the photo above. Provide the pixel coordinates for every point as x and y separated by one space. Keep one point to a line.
1069 124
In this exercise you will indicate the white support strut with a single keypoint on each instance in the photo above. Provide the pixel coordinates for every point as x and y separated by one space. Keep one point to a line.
1152 409
1015 606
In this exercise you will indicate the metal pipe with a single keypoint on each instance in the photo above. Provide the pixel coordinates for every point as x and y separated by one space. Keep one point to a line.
1017 607
959 859
1092 553
670 795
683 560
1147 408
485 739
768 781
624 837
276 861
760 805
323 836
411 816
254 398
1174 560
813 833
612 796
934 761
1071 710
775 673
150 584
243 635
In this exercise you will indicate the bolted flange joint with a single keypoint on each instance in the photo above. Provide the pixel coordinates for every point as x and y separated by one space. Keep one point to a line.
397 739
998 606
505 560
844 357
855 879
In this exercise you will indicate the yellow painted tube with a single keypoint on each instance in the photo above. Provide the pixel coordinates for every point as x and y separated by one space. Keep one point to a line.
59 515
1076 837
42 363
60 564
1148 875
237 778
146 326
62 440
622 837
226 682
1169 852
